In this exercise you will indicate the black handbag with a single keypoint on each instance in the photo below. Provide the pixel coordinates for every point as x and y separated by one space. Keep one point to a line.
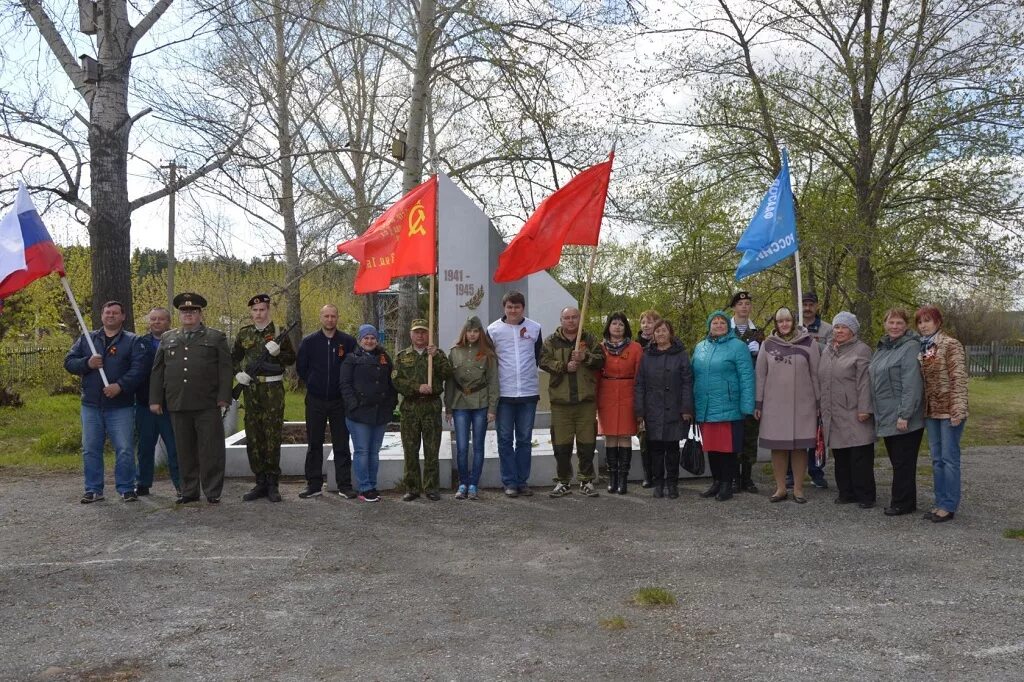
692 458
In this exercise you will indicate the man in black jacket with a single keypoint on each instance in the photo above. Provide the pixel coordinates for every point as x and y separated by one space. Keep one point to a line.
319 366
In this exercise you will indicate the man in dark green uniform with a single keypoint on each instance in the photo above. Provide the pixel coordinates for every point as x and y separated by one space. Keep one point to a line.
264 395
420 410
573 393
192 376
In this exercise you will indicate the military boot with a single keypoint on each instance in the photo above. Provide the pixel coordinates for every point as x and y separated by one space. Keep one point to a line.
273 494
612 462
258 491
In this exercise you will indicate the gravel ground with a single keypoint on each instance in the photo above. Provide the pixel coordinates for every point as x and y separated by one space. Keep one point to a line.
318 589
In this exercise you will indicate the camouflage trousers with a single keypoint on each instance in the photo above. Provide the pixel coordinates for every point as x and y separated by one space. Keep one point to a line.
571 423
421 423
264 419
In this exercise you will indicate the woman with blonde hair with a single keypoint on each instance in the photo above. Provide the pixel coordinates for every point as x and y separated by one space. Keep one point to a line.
897 392
786 400
471 400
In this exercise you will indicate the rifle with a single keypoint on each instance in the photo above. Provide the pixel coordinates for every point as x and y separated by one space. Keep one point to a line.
254 366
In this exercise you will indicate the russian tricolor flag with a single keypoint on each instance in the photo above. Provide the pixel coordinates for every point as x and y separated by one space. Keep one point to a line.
27 251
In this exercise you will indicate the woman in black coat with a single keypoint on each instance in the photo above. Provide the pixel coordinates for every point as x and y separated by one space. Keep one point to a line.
663 404
370 402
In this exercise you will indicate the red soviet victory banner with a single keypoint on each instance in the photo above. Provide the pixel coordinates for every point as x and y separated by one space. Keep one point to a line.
400 243
572 215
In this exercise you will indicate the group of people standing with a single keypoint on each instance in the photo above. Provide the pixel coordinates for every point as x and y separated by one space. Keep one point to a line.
802 389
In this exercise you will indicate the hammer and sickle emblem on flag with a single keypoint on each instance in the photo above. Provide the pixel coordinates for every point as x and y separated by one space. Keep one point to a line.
417 218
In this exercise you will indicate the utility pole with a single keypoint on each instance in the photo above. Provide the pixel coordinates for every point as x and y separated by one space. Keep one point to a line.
172 168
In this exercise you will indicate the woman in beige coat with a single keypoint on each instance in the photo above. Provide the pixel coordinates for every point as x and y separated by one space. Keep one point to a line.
844 385
786 400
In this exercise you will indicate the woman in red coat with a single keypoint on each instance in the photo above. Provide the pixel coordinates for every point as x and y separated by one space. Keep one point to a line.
615 382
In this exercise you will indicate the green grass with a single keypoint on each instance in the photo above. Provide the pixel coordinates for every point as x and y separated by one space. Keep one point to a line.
614 623
996 411
45 434
1014 533
653 596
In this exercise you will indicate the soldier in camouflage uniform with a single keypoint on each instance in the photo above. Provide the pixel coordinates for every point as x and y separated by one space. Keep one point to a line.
420 410
264 396
741 305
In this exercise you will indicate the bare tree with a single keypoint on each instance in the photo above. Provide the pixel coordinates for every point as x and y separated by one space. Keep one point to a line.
103 85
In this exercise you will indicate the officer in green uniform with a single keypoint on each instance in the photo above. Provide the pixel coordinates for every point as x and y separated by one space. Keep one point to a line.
573 392
192 376
264 395
420 410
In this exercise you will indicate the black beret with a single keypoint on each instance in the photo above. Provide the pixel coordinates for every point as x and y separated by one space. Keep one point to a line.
740 296
259 298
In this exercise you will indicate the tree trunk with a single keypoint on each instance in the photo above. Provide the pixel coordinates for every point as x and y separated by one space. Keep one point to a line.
408 305
109 128
286 202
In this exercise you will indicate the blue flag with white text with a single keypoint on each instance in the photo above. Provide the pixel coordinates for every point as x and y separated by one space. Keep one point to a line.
771 235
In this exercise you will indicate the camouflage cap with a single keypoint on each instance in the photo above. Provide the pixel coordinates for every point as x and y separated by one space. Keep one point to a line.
419 324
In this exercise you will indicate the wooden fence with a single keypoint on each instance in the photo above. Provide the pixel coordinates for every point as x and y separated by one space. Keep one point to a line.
995 359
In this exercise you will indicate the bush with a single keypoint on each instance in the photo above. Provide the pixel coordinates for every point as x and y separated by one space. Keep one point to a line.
65 440
10 398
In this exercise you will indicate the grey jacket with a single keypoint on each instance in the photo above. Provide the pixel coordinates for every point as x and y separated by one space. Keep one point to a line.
897 388
845 390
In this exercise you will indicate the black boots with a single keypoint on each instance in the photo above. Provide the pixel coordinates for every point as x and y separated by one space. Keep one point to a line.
258 491
658 489
724 493
673 490
612 462
716 485
272 493
746 482
625 459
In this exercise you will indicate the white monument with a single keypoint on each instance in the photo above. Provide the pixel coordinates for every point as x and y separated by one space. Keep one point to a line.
467 256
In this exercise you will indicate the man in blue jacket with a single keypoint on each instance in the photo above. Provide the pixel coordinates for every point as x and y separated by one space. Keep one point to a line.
149 426
108 411
319 366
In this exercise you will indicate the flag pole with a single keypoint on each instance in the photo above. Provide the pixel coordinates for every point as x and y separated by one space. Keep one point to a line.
586 297
81 321
799 288
433 280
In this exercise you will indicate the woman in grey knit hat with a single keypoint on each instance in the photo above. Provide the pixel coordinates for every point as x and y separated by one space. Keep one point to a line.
844 389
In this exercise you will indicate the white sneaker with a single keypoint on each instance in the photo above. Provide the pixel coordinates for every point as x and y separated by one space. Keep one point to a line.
588 489
560 490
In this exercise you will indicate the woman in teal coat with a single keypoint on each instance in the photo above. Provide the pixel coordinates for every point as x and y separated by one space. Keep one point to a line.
723 393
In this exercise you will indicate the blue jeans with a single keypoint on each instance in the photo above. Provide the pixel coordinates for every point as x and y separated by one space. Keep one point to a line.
366 442
149 427
944 444
117 424
463 419
515 418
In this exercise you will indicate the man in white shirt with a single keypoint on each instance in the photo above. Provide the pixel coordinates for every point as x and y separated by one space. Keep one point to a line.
517 342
